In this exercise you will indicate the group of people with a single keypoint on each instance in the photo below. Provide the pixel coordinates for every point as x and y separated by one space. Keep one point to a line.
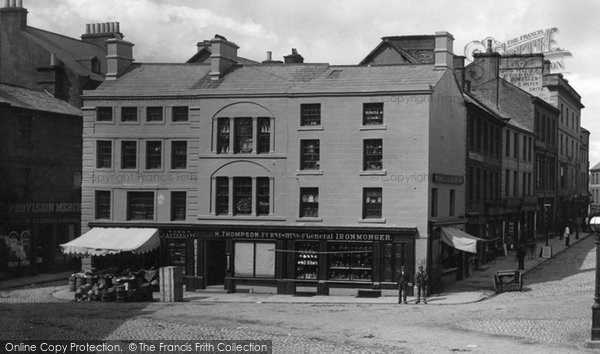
421 282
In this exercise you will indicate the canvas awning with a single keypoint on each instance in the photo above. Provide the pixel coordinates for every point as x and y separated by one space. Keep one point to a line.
460 239
100 241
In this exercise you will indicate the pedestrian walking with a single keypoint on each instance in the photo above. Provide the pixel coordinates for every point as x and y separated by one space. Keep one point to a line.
403 278
566 232
422 282
567 236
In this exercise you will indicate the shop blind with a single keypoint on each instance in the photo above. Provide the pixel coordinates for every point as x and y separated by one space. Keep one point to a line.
244 259
265 260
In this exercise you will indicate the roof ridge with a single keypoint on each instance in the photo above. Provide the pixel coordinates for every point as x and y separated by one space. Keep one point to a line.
65 36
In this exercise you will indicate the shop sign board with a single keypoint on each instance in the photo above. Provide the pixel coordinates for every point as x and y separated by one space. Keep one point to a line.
330 236
43 208
177 233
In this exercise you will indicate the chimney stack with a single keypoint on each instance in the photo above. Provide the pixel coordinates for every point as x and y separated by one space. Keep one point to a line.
223 56
13 15
119 57
459 70
99 33
293 58
444 51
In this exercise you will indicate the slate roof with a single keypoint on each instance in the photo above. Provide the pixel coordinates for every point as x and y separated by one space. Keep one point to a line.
35 100
268 78
68 50
596 167
485 105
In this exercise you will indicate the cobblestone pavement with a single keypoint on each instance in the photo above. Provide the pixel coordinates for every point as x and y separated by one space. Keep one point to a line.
551 315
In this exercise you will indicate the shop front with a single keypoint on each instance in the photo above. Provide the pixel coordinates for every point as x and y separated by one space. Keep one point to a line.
289 260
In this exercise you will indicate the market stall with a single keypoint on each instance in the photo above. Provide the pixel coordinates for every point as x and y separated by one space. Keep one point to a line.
114 282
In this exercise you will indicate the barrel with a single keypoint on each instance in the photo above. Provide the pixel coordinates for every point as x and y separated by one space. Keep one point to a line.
72 284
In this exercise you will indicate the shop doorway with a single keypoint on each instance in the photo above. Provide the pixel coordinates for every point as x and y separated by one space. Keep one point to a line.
216 262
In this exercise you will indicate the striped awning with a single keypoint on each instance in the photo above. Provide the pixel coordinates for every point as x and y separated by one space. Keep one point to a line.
100 241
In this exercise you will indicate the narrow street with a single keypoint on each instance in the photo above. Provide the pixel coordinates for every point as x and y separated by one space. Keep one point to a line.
551 315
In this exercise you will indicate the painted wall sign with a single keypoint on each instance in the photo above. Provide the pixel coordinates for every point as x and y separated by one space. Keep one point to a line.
178 233
541 41
331 236
43 208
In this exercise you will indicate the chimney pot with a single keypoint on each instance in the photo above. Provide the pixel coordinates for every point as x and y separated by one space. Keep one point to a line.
98 28
117 27
20 3
13 3
87 28
489 45
269 56
6 3
53 59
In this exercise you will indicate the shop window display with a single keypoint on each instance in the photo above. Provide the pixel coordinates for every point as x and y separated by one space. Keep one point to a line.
350 261
307 260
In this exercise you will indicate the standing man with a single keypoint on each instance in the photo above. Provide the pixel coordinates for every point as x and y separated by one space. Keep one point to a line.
403 279
567 235
421 281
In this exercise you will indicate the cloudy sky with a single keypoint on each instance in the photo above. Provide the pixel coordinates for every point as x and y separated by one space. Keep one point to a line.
336 32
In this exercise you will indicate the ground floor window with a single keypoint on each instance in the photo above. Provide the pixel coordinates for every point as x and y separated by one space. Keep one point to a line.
177 252
307 260
254 259
352 261
394 257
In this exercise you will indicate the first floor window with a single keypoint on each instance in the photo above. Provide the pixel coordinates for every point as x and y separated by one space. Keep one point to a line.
373 113
128 154
140 205
103 154
153 155
242 195
372 203
102 204
178 155
222 196
178 204
310 114
373 154
263 196
309 155
309 202
254 259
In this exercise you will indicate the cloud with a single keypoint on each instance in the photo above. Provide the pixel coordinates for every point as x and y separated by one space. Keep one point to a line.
338 32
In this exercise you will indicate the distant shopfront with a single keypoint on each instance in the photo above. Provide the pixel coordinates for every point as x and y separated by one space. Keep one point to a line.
287 259
31 233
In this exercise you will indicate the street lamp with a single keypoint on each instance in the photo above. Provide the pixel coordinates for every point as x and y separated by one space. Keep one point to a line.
595 226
